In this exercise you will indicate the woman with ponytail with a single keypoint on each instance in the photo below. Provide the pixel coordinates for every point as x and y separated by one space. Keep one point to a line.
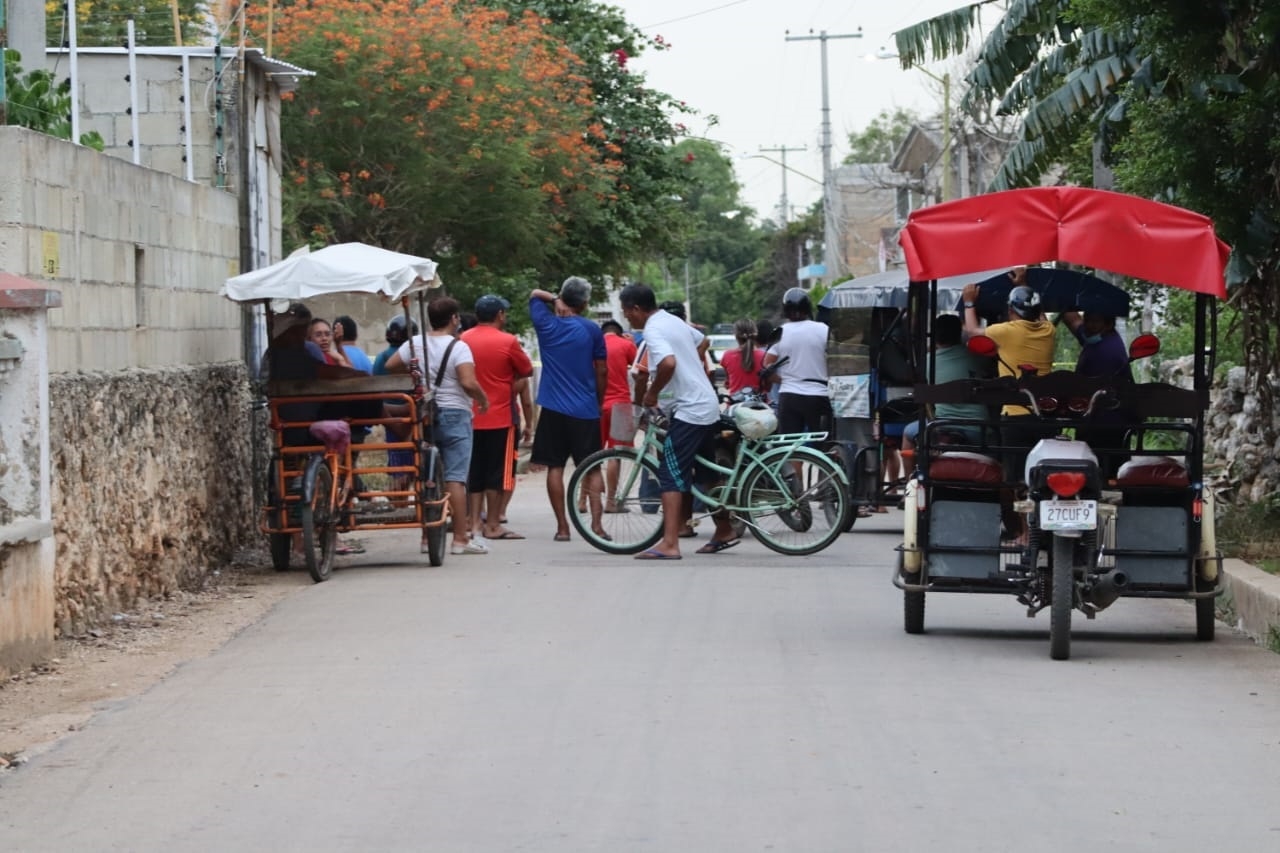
742 366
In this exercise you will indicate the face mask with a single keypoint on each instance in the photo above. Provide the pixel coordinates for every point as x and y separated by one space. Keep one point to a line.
1090 340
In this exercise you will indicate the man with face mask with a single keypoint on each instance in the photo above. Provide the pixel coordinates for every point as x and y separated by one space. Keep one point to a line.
1103 355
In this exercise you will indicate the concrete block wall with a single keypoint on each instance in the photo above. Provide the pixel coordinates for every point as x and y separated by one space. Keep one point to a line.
139 255
149 432
105 100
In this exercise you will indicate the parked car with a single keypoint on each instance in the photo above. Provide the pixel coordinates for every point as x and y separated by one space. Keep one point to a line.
718 346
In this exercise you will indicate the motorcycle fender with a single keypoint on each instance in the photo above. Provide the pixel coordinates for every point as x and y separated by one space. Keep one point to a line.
912 559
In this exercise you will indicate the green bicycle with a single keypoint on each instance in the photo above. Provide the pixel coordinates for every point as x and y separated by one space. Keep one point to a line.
791 496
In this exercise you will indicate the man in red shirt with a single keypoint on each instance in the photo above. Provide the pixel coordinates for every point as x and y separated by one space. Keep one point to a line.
500 363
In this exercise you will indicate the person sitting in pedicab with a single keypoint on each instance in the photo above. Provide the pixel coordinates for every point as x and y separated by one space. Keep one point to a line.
1026 342
951 361
1103 355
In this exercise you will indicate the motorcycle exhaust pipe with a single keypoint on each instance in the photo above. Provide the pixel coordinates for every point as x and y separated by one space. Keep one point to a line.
1107 588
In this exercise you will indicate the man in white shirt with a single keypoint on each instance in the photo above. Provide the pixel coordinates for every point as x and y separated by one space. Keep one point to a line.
803 403
677 377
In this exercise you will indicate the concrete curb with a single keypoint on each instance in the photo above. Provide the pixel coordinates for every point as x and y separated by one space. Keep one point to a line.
1255 598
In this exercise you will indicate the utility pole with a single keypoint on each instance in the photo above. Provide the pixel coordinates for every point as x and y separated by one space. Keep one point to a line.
783 149
831 239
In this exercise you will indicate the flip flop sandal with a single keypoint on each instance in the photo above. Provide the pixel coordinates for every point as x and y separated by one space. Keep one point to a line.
562 537
715 547
655 554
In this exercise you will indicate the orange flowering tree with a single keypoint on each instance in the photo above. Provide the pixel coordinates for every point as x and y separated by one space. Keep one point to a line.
462 133
644 216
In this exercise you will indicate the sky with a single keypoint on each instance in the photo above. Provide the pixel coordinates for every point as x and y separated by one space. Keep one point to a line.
731 59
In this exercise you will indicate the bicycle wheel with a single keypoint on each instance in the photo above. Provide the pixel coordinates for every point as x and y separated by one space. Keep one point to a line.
774 506
436 537
630 521
319 521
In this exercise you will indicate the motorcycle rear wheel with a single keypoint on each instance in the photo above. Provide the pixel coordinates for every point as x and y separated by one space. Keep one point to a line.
1062 597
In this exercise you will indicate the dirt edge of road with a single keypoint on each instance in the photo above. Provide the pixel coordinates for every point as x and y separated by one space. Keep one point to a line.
133 651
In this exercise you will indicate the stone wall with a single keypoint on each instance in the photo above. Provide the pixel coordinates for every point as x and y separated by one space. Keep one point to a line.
151 483
1237 438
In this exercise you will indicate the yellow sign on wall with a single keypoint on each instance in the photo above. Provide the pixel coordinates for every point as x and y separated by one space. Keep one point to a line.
50 263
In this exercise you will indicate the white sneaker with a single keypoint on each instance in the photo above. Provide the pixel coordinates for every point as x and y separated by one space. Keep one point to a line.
472 547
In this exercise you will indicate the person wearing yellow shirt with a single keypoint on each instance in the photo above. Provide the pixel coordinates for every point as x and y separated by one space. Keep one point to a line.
1026 340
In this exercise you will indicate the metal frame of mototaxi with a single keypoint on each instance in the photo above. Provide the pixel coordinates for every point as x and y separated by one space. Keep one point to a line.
1160 527
872 319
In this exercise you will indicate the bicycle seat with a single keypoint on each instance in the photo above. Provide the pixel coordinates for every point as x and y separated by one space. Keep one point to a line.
334 435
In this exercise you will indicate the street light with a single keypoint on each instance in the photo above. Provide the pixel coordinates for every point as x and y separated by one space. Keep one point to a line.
945 80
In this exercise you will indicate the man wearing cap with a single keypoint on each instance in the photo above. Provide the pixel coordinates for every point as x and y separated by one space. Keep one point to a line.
571 390
500 363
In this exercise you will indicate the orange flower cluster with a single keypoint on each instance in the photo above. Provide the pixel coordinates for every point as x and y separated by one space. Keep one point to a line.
454 83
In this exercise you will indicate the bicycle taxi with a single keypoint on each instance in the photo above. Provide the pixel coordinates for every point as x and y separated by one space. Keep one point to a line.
318 482
1128 520
873 366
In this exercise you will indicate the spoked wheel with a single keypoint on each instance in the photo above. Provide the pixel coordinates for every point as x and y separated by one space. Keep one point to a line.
429 492
319 519
281 544
912 607
1062 598
626 484
779 502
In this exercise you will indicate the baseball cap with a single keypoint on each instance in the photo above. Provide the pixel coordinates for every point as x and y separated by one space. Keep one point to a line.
296 314
488 306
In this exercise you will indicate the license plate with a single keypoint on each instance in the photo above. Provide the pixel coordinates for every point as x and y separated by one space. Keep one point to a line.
1068 515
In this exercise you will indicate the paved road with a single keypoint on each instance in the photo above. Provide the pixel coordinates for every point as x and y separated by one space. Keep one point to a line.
549 698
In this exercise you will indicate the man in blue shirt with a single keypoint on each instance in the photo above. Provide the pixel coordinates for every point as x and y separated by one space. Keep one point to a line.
1103 355
571 390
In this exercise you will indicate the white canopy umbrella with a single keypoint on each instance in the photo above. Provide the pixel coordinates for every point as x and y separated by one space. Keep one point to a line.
342 268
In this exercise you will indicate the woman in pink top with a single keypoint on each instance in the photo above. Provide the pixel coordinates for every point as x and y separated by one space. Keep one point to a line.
742 365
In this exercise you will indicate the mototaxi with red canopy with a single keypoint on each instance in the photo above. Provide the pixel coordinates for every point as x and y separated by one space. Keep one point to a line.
1149 526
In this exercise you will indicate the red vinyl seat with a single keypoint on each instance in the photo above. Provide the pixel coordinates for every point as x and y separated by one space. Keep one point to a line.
964 467
1160 471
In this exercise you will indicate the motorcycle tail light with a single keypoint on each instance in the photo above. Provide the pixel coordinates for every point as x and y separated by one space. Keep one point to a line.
1078 404
1065 484
1047 404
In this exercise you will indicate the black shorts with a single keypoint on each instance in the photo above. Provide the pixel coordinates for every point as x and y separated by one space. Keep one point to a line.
677 470
560 436
803 413
490 460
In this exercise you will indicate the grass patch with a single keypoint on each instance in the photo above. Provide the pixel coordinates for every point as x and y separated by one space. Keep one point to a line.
1251 532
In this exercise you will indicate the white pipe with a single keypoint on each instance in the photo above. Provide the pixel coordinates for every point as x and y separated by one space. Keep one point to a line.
133 97
186 116
72 45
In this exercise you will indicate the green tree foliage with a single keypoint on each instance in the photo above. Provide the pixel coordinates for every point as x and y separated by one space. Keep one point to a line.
881 138
639 132
34 100
1184 97
723 244
105 23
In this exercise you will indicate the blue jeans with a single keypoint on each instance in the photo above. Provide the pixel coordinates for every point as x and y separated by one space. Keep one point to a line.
452 435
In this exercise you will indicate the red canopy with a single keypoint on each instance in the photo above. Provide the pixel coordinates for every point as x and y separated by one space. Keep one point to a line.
1092 228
